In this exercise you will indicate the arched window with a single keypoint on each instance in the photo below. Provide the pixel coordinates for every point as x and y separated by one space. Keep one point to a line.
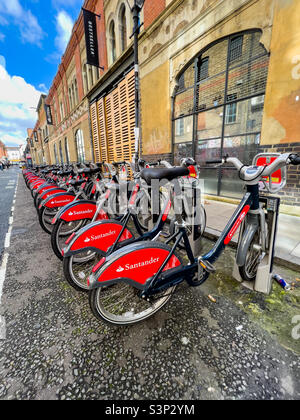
73 95
61 153
62 112
70 98
76 92
85 78
96 73
67 151
123 27
218 107
79 146
55 154
91 76
112 41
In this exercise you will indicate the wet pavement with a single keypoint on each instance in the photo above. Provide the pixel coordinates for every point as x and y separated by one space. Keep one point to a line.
237 346
8 179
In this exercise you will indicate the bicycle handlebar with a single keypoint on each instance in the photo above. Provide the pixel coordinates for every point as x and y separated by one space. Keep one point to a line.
295 159
217 161
280 162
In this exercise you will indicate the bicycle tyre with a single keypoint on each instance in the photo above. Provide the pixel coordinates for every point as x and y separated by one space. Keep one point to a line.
55 235
68 266
248 270
103 315
42 212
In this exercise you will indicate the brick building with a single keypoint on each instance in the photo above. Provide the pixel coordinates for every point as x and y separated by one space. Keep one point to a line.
3 151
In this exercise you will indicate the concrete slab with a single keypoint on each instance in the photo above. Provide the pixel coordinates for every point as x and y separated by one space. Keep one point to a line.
296 251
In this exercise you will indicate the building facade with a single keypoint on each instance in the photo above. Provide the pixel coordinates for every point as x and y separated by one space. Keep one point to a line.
13 154
69 138
216 77
222 77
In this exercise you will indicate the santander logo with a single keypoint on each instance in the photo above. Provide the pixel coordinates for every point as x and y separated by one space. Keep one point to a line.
236 225
101 236
141 264
59 202
74 212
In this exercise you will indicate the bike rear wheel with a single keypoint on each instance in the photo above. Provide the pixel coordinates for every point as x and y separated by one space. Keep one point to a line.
45 218
60 233
120 304
78 267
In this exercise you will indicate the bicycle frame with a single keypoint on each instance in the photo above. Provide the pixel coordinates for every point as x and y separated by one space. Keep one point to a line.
175 276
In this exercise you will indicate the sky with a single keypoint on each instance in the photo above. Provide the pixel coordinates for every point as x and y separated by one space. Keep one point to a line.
33 37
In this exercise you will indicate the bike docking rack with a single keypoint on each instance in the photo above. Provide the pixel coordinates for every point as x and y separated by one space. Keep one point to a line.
185 203
264 277
269 212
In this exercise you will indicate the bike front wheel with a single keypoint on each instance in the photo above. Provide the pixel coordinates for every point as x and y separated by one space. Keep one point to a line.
249 269
60 233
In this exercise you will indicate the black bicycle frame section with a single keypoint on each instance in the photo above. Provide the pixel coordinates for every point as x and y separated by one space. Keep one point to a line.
143 236
162 281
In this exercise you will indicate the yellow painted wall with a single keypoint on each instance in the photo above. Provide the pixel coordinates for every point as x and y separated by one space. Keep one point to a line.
156 111
174 40
281 122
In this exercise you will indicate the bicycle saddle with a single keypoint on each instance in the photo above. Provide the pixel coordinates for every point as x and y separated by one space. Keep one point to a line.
163 173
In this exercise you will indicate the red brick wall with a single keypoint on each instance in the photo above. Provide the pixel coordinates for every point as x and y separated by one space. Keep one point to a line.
152 9
99 9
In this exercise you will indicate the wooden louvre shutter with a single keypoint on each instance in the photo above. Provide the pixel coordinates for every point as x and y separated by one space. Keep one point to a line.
109 127
120 120
95 132
130 79
117 125
102 130
113 122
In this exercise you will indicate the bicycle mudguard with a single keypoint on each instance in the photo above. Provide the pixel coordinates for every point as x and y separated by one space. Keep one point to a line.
79 210
57 200
97 236
134 264
37 184
43 188
51 191
33 177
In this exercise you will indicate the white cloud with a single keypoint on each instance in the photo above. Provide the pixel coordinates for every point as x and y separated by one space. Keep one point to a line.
64 26
17 98
2 37
29 27
11 7
43 88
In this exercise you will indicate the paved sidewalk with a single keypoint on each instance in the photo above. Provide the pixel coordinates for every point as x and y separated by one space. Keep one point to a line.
287 250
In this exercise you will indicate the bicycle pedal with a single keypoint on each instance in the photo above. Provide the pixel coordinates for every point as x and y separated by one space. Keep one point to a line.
207 266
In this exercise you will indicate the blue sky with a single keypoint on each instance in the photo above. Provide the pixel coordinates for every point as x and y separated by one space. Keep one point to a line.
33 37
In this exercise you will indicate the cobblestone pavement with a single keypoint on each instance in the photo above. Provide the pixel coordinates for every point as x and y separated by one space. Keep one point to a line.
238 347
